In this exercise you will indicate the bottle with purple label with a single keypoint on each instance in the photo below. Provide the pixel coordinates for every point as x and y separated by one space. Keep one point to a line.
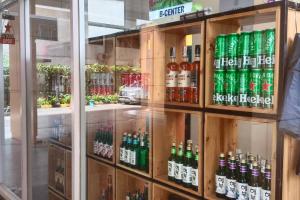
254 187
242 185
266 188
231 180
221 177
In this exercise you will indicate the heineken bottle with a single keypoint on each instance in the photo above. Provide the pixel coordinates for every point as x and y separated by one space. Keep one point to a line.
195 177
179 164
187 168
266 187
254 187
143 157
231 180
242 185
171 163
128 147
122 148
134 152
221 177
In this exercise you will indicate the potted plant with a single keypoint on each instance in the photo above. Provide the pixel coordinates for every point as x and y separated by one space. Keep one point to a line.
65 100
54 101
43 103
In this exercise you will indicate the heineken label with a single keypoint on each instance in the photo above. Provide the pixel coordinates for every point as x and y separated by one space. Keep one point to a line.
178 171
231 188
255 87
268 87
122 154
186 174
254 193
132 157
269 61
195 177
244 62
230 87
184 78
243 85
219 79
258 61
242 191
232 63
171 78
220 184
171 168
265 194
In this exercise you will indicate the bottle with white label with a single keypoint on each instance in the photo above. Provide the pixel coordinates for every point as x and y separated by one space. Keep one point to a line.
184 77
254 189
127 157
195 176
172 77
266 188
179 164
242 185
122 148
231 180
171 163
221 177
187 168
134 152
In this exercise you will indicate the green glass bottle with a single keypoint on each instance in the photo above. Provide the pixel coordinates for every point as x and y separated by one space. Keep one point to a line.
254 187
128 150
195 171
179 164
134 152
242 185
122 148
250 166
187 168
221 177
143 157
266 188
231 180
171 163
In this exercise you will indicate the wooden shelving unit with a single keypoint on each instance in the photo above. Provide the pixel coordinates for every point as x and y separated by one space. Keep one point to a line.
60 171
131 120
98 178
174 125
224 133
175 36
128 182
235 23
214 128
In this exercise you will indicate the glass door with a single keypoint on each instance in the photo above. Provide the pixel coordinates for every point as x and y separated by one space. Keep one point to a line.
11 102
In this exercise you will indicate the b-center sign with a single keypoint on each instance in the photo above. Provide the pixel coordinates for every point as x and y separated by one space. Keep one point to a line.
164 8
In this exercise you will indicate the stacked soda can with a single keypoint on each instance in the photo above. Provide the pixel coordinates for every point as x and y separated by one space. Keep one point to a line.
244 69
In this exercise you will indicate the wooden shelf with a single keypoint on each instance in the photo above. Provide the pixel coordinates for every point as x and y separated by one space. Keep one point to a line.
131 120
164 39
96 157
130 183
98 174
235 23
174 125
136 171
163 193
225 133
53 196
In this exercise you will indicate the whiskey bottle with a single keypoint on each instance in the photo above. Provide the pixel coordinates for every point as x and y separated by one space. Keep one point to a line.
266 188
184 78
195 72
122 148
242 185
172 77
179 164
171 163
231 180
254 187
221 177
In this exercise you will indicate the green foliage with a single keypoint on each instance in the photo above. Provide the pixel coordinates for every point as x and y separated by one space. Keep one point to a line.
65 99
98 68
53 69
100 99
43 101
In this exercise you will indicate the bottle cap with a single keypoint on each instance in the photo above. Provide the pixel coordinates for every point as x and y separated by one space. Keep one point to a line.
243 161
174 144
230 153
172 52
197 49
255 164
222 155
188 148
232 158
268 166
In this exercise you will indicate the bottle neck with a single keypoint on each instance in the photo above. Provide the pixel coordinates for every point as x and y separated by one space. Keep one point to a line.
185 59
172 59
197 58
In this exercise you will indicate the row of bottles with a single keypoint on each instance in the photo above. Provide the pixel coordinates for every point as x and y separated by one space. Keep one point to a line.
137 195
59 175
101 84
134 150
243 177
107 194
183 167
103 142
182 80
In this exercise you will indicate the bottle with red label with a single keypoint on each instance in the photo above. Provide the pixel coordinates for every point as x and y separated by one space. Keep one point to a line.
184 78
194 94
171 77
